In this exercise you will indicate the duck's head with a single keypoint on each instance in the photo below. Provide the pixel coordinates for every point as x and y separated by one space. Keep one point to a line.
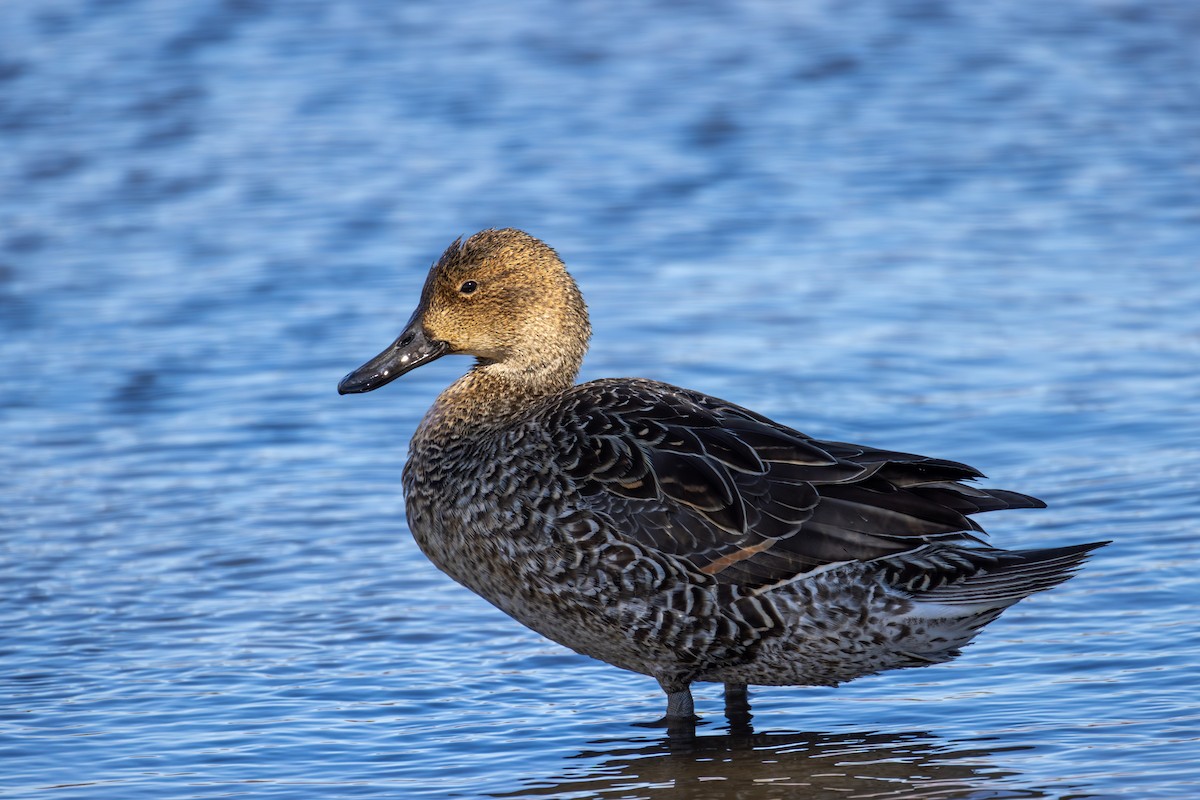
501 296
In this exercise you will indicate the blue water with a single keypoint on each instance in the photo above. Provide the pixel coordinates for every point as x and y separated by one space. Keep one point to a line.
967 230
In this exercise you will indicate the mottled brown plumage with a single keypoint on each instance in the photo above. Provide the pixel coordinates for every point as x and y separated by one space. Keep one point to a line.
669 532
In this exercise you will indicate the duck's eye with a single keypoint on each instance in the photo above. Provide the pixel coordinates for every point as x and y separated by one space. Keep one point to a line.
468 287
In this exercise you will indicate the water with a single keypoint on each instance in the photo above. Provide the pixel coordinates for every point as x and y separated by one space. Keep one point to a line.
968 230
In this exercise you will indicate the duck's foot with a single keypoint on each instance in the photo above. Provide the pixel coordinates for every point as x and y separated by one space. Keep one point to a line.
681 712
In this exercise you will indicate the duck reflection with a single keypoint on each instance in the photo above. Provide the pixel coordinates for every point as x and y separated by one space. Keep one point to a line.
740 763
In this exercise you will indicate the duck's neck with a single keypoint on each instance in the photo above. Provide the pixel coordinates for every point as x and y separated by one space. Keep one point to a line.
495 393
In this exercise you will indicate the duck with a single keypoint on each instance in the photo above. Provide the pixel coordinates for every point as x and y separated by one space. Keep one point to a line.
668 532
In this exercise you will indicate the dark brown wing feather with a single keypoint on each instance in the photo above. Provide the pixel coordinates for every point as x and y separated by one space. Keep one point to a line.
750 501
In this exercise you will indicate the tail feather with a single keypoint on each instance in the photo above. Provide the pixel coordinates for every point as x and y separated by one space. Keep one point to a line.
1013 576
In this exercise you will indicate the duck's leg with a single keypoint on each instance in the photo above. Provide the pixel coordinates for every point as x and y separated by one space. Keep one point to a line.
680 707
737 707
681 711
737 695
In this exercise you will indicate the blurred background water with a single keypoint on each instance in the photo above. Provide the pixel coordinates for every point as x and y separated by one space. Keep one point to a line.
964 229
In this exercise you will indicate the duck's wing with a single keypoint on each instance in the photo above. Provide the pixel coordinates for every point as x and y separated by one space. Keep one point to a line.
747 500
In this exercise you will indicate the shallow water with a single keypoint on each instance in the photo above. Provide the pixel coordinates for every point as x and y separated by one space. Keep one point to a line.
965 230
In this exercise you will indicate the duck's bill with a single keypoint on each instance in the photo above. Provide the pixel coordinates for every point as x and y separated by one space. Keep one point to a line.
412 349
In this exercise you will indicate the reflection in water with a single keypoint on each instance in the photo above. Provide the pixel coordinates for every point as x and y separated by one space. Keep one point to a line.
743 764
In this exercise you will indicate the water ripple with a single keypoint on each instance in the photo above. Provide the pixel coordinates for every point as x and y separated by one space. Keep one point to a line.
969 231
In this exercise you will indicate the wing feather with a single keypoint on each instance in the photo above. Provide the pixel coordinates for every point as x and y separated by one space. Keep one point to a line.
754 503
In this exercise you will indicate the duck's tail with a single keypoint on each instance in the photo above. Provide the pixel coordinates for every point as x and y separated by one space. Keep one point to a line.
960 590
1000 578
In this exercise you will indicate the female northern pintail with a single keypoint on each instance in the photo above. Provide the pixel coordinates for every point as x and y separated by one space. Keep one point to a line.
666 531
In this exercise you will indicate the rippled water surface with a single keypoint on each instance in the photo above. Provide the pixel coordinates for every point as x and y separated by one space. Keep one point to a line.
964 229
